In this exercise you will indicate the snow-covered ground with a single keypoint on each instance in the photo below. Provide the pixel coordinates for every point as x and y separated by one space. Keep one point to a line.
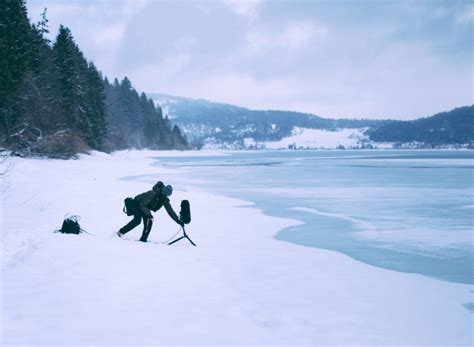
238 286
316 138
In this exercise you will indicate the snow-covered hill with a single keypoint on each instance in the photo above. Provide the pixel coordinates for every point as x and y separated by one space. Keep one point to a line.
216 125
316 138
304 138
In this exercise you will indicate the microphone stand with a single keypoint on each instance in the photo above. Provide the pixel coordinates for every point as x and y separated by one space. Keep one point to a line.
185 236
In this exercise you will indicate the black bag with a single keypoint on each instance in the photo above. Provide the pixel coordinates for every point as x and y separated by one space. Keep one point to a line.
71 226
129 206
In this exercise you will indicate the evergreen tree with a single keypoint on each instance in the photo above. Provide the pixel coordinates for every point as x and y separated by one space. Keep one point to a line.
115 137
66 64
15 38
82 92
40 88
42 25
96 111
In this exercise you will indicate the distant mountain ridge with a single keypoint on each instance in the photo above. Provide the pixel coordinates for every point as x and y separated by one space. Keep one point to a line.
220 125
202 121
453 127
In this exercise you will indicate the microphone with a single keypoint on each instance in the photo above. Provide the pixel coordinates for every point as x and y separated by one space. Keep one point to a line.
185 213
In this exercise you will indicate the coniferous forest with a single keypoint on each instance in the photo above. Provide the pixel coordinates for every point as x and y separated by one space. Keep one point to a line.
56 103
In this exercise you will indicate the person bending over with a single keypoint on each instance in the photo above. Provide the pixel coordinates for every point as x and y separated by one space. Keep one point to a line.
144 203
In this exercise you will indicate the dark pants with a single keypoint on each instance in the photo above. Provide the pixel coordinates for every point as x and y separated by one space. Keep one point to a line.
137 218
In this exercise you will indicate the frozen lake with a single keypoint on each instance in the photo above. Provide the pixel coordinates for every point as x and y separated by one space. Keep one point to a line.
409 211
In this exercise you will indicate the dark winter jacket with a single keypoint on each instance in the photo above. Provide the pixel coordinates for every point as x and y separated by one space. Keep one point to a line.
153 200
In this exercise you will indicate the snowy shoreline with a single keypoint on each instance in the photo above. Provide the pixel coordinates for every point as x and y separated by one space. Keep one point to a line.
239 286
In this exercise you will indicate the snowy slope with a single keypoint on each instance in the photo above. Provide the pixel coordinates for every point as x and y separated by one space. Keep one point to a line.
239 286
316 138
306 138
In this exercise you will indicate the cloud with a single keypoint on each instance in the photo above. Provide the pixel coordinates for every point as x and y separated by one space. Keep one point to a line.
247 8
460 12
240 88
160 75
63 9
185 42
106 24
299 34
111 35
295 35
467 16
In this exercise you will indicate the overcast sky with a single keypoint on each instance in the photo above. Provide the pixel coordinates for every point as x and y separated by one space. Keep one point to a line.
361 59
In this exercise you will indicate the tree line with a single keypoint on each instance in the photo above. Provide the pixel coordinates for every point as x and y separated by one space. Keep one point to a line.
452 127
55 102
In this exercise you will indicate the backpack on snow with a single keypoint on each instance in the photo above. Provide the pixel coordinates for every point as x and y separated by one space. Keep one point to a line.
71 226
129 206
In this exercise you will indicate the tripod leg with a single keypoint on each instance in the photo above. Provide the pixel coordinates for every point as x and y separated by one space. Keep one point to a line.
179 238
182 237
190 240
